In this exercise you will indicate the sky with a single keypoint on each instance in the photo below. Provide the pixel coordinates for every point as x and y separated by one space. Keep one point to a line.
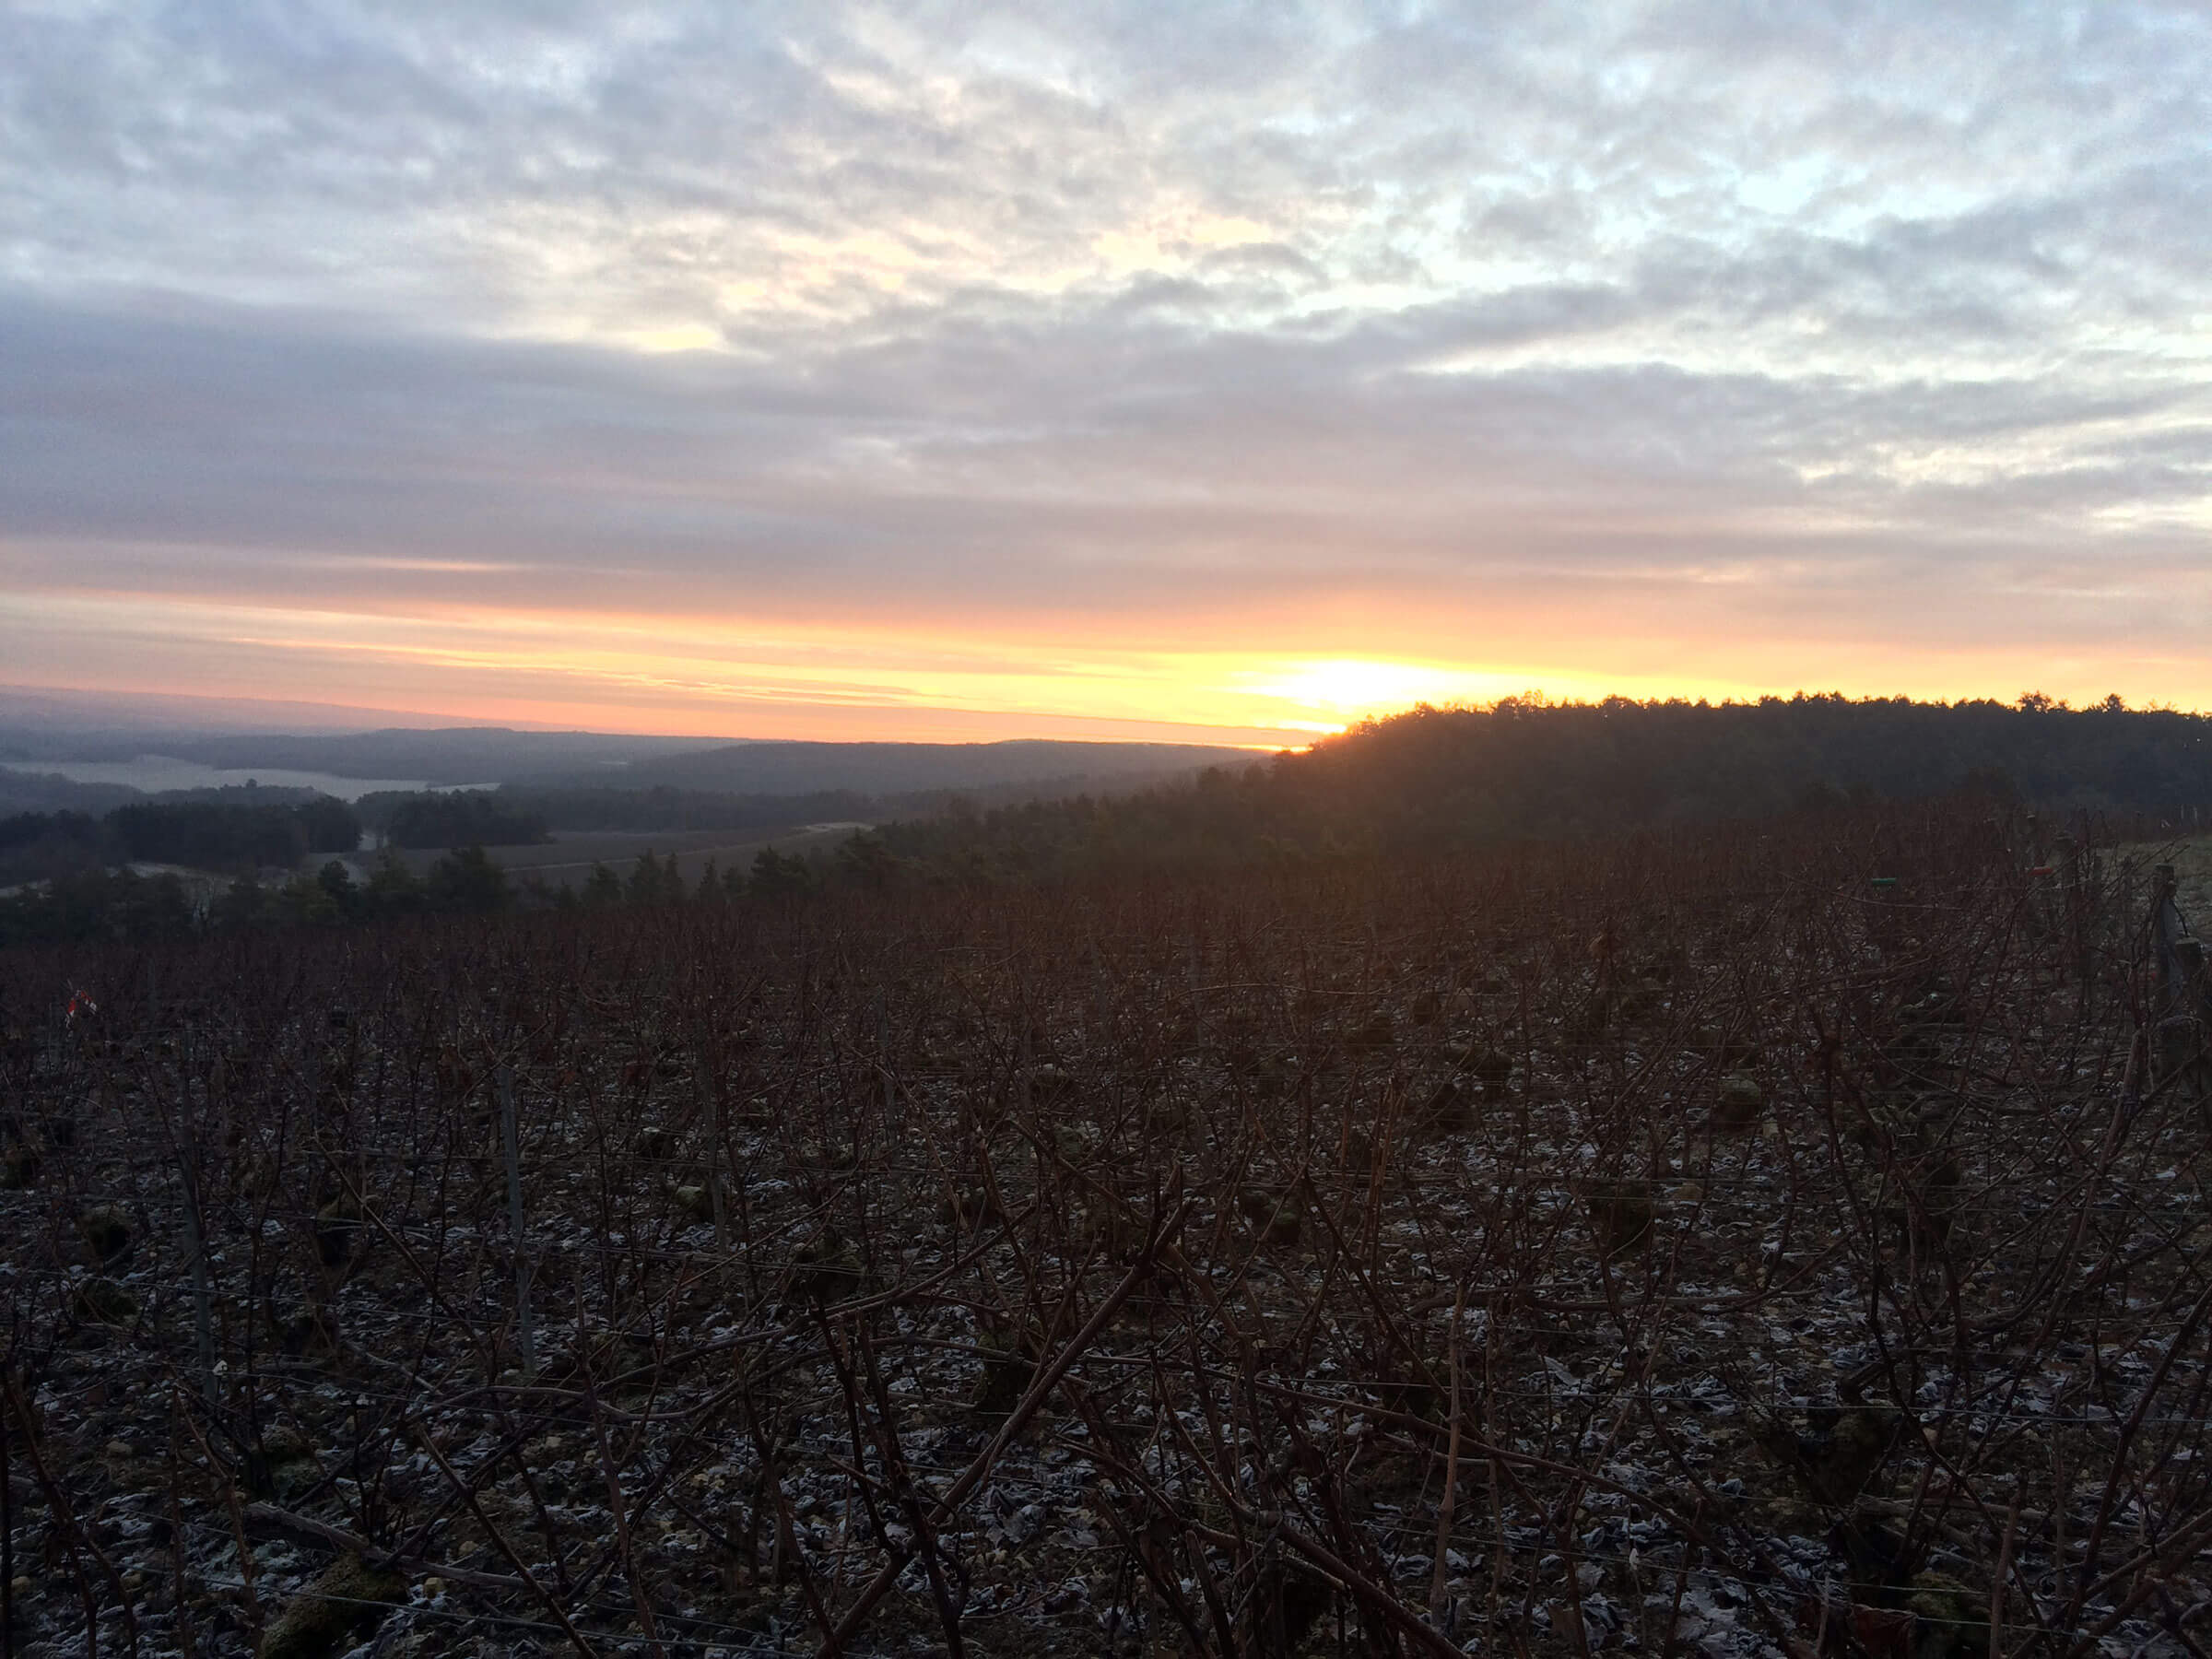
1105 369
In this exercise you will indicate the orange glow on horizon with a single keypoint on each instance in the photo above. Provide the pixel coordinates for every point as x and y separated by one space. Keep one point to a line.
1251 682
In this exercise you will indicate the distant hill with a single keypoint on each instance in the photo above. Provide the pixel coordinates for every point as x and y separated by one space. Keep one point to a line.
48 710
450 755
491 755
27 790
774 792
784 768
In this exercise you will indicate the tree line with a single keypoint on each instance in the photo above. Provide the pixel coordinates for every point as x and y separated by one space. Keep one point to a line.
1425 782
453 817
201 834
124 906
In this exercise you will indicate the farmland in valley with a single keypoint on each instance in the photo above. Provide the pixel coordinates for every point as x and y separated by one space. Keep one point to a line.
567 859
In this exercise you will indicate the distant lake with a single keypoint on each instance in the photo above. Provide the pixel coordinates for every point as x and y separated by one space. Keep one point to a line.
156 772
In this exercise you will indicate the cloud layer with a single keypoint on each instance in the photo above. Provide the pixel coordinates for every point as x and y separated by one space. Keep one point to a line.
821 365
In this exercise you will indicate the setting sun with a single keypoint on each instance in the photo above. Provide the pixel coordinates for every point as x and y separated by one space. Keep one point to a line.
1333 694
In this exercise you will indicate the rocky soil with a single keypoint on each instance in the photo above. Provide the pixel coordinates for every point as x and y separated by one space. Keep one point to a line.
1771 1243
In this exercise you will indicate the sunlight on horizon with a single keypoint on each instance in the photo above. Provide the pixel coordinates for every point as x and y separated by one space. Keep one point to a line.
1336 693
924 680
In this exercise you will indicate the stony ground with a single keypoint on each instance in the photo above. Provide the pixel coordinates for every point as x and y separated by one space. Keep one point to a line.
1747 1245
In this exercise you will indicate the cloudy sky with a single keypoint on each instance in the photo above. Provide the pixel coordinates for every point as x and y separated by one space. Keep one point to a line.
1101 369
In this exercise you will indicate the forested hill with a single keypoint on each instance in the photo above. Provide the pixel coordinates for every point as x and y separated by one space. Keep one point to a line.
1439 778
1523 769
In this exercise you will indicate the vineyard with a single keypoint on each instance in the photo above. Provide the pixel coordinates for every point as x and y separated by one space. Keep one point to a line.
1780 1239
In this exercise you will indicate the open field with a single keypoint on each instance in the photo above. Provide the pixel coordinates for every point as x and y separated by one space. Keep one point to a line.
1769 1241
567 859
2191 861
